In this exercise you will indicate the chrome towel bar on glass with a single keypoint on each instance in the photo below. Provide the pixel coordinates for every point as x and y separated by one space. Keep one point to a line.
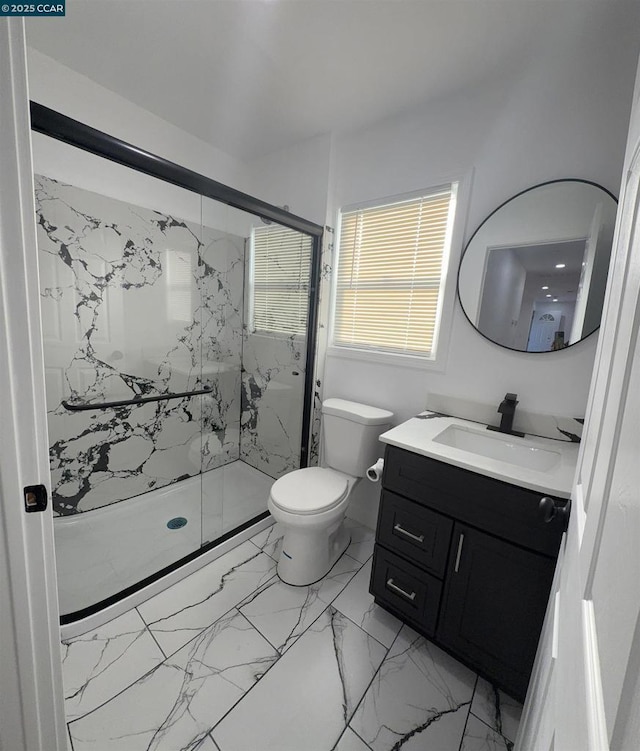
135 401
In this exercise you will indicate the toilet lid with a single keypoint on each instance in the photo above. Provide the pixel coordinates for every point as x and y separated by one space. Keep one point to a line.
309 490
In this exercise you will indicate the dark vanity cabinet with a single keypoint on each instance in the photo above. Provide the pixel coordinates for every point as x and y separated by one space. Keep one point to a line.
467 561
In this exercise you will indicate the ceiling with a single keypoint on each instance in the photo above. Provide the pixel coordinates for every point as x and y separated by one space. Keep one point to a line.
254 76
542 259
539 261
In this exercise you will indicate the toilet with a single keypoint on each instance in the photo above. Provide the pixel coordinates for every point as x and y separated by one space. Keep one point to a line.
310 503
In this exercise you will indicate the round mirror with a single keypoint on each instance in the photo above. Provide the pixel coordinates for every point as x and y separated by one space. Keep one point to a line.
533 275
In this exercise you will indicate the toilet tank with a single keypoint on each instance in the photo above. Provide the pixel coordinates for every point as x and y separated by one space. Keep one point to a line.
350 434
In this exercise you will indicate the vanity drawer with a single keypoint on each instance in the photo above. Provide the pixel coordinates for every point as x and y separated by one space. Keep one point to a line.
494 506
405 589
415 532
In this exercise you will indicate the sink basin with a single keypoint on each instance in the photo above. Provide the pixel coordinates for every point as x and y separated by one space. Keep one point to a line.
510 449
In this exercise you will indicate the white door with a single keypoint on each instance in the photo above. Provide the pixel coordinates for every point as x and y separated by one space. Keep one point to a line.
586 276
584 694
31 697
543 330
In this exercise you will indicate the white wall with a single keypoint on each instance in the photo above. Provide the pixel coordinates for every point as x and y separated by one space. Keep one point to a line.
60 88
567 116
502 292
297 176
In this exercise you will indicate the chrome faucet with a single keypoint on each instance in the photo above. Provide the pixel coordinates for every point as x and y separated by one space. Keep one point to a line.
507 409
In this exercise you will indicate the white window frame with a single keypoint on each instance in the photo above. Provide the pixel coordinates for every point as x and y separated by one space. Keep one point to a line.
436 362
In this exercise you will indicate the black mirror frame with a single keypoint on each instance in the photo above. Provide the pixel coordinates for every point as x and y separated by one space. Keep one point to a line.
479 227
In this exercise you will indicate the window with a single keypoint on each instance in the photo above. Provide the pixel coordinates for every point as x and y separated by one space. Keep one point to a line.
179 281
281 262
392 262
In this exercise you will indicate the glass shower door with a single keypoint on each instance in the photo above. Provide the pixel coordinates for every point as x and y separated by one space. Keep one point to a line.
176 343
122 303
253 429
275 347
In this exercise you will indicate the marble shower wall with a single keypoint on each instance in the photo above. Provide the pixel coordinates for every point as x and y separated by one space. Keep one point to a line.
273 389
222 311
135 303
272 402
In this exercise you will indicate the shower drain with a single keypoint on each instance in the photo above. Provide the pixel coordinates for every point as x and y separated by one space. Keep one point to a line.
177 522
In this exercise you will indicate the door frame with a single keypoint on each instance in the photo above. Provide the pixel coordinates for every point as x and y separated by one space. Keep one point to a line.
32 707
567 703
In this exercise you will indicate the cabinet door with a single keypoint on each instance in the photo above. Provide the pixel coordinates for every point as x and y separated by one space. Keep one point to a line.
493 606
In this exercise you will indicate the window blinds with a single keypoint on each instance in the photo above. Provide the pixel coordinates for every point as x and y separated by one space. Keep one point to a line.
389 273
179 285
280 275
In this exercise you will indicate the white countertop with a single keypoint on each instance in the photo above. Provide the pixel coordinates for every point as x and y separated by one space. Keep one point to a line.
418 434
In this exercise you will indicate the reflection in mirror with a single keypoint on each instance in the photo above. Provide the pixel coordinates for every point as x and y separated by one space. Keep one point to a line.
533 275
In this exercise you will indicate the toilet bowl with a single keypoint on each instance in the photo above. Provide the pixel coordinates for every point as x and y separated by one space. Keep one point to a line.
310 504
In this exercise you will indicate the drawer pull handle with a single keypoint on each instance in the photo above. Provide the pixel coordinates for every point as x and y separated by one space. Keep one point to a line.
400 591
460 541
399 528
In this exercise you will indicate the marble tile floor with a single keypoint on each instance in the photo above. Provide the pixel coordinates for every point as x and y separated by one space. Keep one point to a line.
233 659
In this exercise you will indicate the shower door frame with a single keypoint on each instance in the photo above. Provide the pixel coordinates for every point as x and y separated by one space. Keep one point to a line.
54 124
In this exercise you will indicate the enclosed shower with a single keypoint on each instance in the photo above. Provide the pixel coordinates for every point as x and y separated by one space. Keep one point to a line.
178 339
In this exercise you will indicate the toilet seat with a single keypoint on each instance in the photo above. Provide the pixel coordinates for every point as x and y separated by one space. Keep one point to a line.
309 490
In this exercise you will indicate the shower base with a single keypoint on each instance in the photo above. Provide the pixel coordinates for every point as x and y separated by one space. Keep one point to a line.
102 553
